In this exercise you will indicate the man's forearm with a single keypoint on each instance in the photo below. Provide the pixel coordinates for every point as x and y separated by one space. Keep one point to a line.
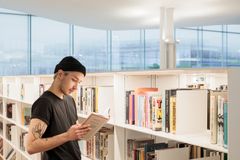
44 144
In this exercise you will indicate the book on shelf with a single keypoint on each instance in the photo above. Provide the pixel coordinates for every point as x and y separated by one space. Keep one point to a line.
140 104
9 110
1 106
208 158
225 124
1 127
23 140
8 131
149 149
99 146
11 155
96 122
94 99
22 92
136 148
168 94
156 109
144 108
14 135
26 115
217 100
1 146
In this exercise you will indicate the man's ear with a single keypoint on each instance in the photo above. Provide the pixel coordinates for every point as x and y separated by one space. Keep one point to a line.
60 74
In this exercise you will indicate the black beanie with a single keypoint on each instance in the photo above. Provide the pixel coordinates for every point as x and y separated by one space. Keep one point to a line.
70 63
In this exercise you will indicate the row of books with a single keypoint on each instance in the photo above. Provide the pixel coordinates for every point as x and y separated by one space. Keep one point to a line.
148 149
93 99
12 154
21 91
25 112
16 136
97 147
89 99
219 118
146 107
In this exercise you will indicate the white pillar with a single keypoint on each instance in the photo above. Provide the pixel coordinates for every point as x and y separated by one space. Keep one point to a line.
167 42
163 58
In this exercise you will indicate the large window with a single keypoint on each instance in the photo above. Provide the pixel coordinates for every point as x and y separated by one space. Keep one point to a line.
152 52
234 28
13 44
50 43
213 53
233 45
34 45
187 49
127 50
90 47
233 58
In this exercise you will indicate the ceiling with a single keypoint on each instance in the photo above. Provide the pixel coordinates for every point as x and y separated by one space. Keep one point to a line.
130 14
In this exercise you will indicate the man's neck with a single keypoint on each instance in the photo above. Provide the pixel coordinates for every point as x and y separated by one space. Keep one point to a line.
55 90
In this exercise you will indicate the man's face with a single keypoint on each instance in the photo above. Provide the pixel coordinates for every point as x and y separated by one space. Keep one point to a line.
70 81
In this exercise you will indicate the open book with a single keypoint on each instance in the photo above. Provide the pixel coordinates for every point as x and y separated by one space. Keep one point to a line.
96 122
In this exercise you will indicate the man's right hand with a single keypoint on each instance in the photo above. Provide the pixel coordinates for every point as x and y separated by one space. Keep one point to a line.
77 131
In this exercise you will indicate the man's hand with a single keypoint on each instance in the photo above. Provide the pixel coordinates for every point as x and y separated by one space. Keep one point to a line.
77 131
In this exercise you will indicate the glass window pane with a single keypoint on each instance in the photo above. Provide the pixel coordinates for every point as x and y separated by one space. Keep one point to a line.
50 43
234 28
13 45
212 54
213 27
127 50
189 28
152 51
233 56
187 50
90 48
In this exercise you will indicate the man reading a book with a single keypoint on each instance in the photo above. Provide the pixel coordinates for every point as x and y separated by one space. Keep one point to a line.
53 129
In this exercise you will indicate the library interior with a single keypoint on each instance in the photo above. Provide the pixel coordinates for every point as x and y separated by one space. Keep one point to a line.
162 79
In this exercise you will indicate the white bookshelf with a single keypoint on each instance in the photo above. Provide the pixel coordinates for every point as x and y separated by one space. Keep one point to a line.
11 90
119 83
168 79
202 140
21 91
26 155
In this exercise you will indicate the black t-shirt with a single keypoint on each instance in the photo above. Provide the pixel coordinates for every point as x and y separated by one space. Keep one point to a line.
59 115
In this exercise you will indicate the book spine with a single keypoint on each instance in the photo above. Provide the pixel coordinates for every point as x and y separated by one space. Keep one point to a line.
127 106
220 120
167 92
225 124
208 110
213 119
172 114
163 113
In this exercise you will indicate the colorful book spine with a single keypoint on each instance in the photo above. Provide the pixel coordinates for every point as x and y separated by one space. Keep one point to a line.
225 124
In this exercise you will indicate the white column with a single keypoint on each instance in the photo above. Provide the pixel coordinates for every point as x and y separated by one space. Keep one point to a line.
163 58
167 42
